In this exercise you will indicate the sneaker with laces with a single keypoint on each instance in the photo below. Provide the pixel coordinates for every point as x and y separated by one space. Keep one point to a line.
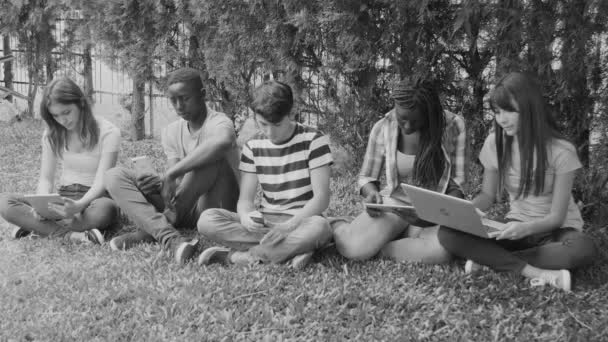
130 240
19 233
214 255
183 249
559 279
300 261
93 236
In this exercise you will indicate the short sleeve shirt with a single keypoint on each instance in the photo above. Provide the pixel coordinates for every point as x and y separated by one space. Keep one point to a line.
284 170
81 167
562 158
178 141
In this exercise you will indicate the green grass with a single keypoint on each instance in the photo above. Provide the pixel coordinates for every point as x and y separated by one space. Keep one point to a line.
54 291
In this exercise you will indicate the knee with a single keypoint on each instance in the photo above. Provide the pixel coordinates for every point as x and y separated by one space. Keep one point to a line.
6 203
447 238
320 225
438 255
103 211
584 250
207 222
352 246
319 228
112 177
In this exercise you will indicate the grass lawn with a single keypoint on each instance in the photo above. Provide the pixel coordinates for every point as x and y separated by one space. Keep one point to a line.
54 291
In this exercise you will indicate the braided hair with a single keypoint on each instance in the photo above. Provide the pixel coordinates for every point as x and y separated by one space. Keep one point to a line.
420 94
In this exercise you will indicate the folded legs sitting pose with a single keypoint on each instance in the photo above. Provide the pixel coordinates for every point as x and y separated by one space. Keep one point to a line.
528 158
86 146
202 158
291 162
418 143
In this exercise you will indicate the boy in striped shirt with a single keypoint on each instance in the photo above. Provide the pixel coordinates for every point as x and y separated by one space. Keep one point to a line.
291 162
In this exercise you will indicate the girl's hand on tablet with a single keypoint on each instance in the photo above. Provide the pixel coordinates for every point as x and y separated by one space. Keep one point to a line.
67 209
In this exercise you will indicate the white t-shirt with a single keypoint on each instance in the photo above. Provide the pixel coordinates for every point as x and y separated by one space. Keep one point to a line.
81 167
178 141
562 158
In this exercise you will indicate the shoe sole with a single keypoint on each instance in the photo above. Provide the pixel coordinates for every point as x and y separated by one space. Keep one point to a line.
207 256
20 233
113 245
185 251
97 236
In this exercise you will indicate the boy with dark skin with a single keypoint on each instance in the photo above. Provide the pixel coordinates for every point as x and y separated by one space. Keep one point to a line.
202 157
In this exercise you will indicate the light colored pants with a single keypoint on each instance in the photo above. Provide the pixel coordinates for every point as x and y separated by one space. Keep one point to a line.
389 236
225 227
101 213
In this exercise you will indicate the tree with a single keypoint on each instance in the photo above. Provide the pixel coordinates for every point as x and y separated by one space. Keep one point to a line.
8 66
132 33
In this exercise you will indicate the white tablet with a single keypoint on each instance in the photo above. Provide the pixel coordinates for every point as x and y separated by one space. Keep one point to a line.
388 207
40 203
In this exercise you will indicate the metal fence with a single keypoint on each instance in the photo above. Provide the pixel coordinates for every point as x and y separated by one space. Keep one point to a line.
112 85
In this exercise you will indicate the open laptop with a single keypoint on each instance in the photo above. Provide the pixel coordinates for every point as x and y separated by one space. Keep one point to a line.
450 211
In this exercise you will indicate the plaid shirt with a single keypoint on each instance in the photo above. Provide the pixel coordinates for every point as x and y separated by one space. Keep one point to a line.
382 148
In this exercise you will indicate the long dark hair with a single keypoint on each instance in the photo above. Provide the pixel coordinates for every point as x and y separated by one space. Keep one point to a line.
518 92
63 90
421 94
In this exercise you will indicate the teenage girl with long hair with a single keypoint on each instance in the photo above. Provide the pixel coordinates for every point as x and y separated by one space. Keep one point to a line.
417 143
86 146
527 157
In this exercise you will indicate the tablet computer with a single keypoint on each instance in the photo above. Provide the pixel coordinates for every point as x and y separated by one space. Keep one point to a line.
40 203
388 207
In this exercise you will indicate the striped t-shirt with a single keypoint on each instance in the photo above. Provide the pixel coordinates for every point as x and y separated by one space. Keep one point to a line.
284 170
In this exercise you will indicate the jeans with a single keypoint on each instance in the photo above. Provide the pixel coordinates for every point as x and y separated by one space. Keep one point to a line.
101 213
225 227
213 186
562 248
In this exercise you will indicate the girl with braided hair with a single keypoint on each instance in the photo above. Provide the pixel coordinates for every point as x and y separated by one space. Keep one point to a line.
85 146
418 143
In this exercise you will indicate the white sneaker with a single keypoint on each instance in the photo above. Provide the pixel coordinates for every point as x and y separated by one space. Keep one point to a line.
559 279
471 267
300 261
93 236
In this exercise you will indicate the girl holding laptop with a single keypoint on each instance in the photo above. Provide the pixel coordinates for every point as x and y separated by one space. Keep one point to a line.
86 146
418 143
527 157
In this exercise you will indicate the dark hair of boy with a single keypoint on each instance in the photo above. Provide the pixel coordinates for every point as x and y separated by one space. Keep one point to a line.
518 92
272 100
190 76
419 93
